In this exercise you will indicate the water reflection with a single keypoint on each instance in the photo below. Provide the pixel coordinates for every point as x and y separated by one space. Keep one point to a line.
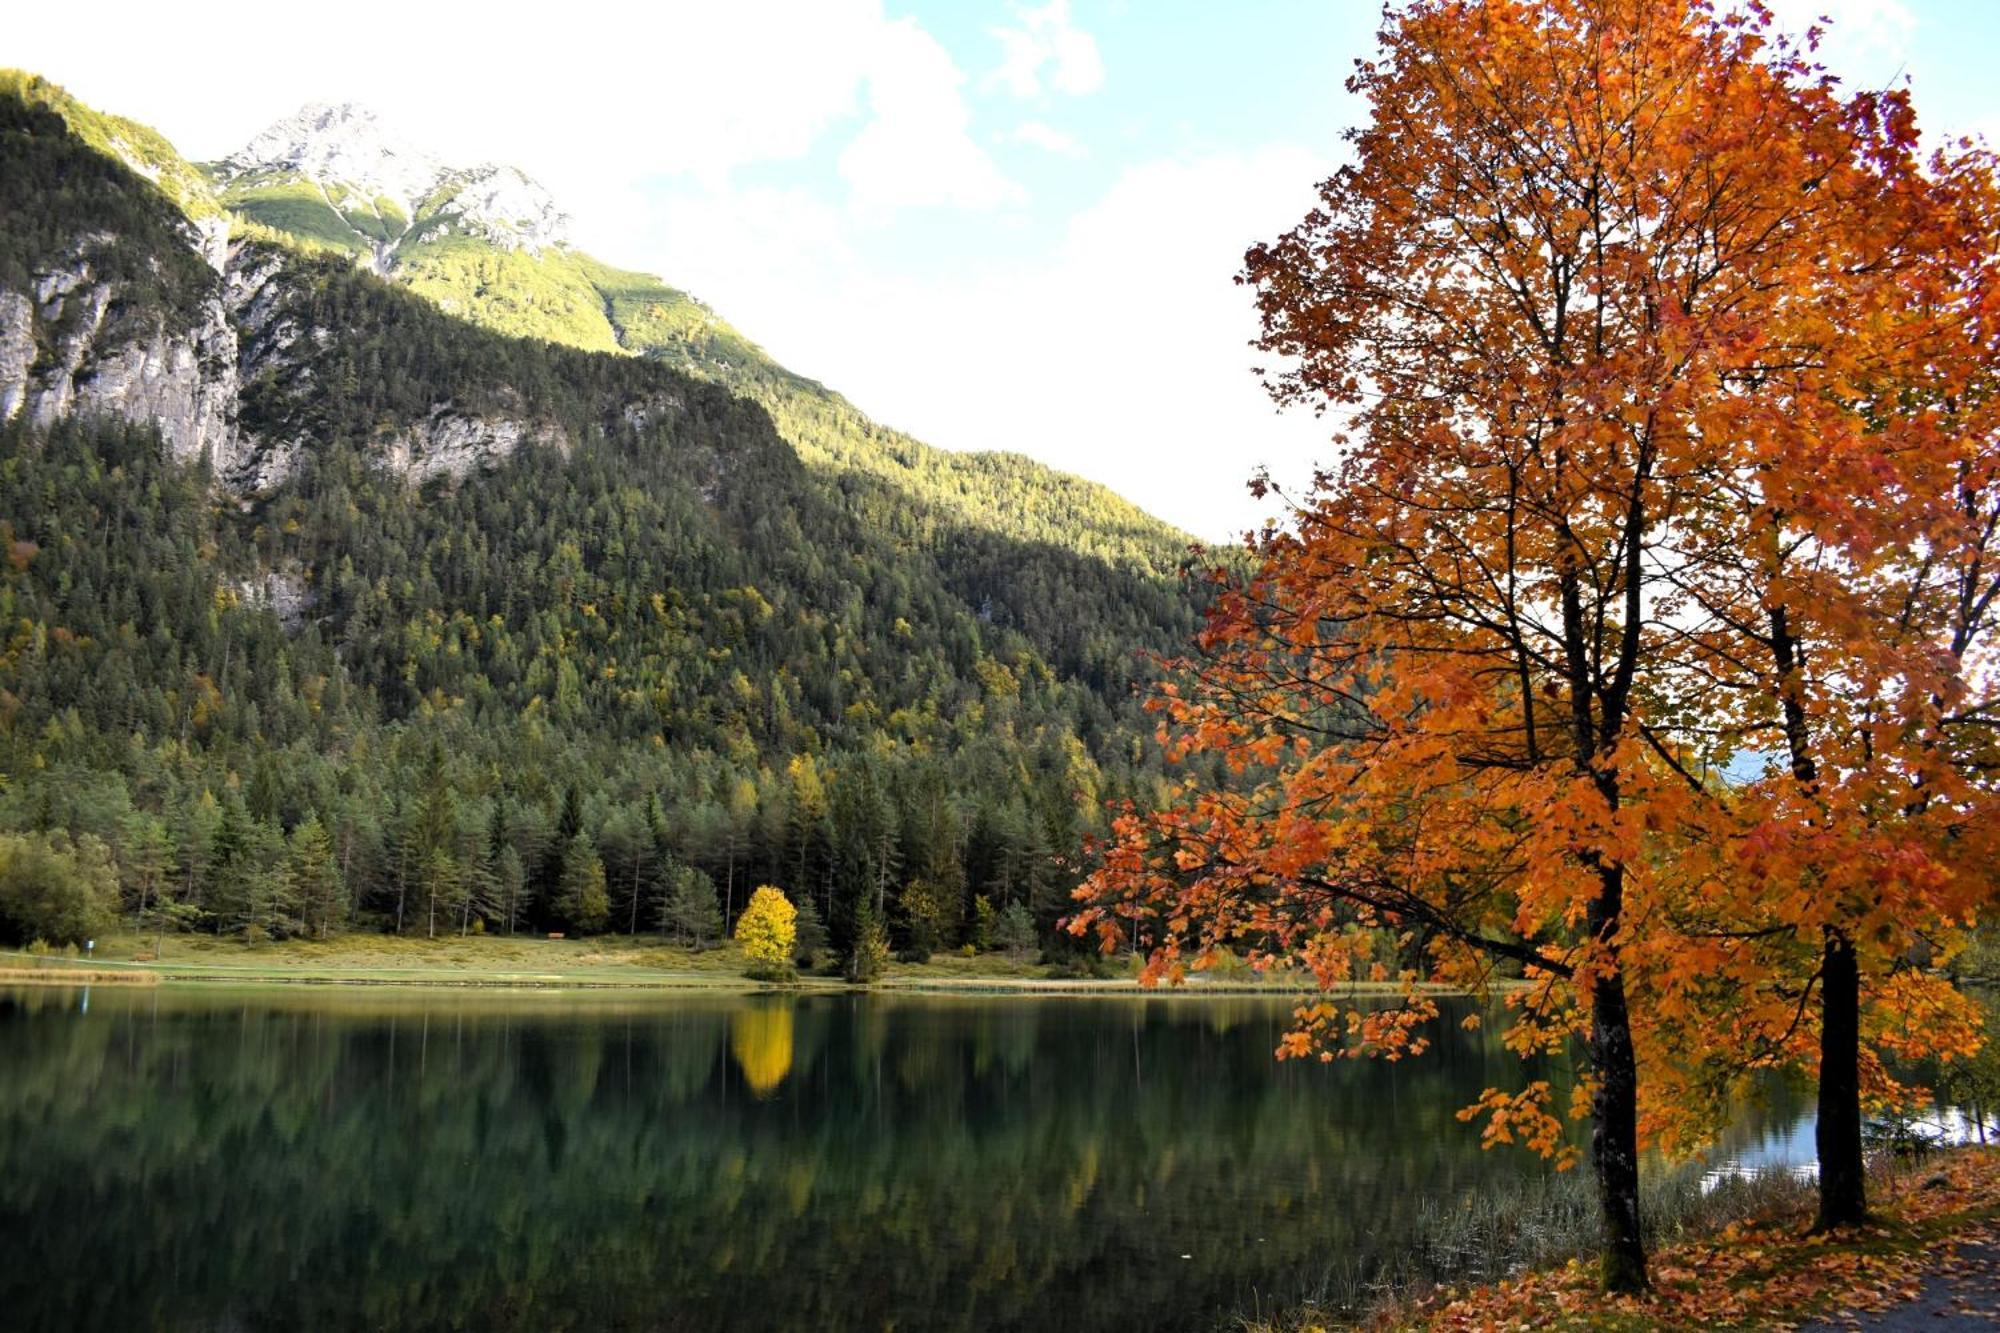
292 1161
760 1037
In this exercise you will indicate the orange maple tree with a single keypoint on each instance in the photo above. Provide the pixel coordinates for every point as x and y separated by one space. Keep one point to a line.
1656 361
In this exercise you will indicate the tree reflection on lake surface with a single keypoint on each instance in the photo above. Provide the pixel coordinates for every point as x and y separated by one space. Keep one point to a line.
284 1160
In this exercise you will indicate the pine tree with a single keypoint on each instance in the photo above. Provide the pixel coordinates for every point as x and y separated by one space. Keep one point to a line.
314 879
809 933
690 909
869 956
1014 932
582 903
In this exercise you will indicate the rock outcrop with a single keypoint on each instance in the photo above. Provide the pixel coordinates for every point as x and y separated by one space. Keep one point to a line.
450 443
70 346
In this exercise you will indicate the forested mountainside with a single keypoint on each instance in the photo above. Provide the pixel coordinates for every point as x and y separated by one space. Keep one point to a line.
487 243
324 607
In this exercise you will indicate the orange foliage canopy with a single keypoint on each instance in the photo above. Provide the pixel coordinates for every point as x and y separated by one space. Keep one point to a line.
1666 448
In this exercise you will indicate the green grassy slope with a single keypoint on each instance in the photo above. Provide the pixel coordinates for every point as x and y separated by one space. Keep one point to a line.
144 150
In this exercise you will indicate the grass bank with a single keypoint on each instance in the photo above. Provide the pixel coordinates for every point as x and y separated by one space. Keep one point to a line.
74 975
1740 1256
609 962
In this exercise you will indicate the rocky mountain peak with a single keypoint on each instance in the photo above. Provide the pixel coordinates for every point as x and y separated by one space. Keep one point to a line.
355 159
345 146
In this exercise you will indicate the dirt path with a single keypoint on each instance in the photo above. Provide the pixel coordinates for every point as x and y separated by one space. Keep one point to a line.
1961 1290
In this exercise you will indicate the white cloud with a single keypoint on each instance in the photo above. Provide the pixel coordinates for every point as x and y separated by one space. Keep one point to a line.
1866 42
1123 355
1046 40
915 150
611 87
752 252
591 105
1040 134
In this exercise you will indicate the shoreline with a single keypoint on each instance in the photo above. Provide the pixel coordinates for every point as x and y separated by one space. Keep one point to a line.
1766 1267
933 979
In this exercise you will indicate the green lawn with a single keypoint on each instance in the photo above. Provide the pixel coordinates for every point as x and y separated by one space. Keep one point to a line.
607 961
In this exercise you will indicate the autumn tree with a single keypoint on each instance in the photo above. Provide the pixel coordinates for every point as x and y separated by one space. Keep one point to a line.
1851 639
1593 302
765 932
927 916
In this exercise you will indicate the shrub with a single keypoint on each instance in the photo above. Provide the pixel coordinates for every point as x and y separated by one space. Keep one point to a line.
54 889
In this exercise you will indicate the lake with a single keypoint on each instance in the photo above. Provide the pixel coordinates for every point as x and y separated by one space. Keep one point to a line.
415 1160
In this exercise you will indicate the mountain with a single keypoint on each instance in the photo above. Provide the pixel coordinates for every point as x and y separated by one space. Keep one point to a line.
312 565
335 176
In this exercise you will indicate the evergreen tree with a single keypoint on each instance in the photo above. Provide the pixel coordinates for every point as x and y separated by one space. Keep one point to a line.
1014 932
869 955
582 903
809 936
314 879
690 910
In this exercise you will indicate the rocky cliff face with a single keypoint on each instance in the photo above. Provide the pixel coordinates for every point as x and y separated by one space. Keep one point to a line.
455 444
71 346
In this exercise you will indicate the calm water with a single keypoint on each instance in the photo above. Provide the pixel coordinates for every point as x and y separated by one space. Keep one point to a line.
414 1161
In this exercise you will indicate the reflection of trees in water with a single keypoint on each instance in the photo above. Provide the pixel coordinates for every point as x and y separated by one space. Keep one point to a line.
828 1163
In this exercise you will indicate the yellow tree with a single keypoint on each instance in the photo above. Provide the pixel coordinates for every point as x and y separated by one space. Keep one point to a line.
765 932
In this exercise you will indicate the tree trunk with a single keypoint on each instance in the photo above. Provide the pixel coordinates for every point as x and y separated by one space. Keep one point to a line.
1843 1181
1614 1136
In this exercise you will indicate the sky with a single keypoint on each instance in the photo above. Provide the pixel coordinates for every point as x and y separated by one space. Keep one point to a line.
994 225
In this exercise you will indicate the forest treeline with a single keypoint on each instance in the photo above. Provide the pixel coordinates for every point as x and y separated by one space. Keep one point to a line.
545 700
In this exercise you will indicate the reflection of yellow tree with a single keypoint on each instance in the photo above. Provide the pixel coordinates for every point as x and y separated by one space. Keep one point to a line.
761 1040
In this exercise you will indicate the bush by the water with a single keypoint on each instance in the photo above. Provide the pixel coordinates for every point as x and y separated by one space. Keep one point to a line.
55 888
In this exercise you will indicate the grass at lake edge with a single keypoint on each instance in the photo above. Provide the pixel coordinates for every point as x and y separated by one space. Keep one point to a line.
623 962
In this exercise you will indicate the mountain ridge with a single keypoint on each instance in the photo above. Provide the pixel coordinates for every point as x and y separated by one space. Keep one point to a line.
556 292
385 189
